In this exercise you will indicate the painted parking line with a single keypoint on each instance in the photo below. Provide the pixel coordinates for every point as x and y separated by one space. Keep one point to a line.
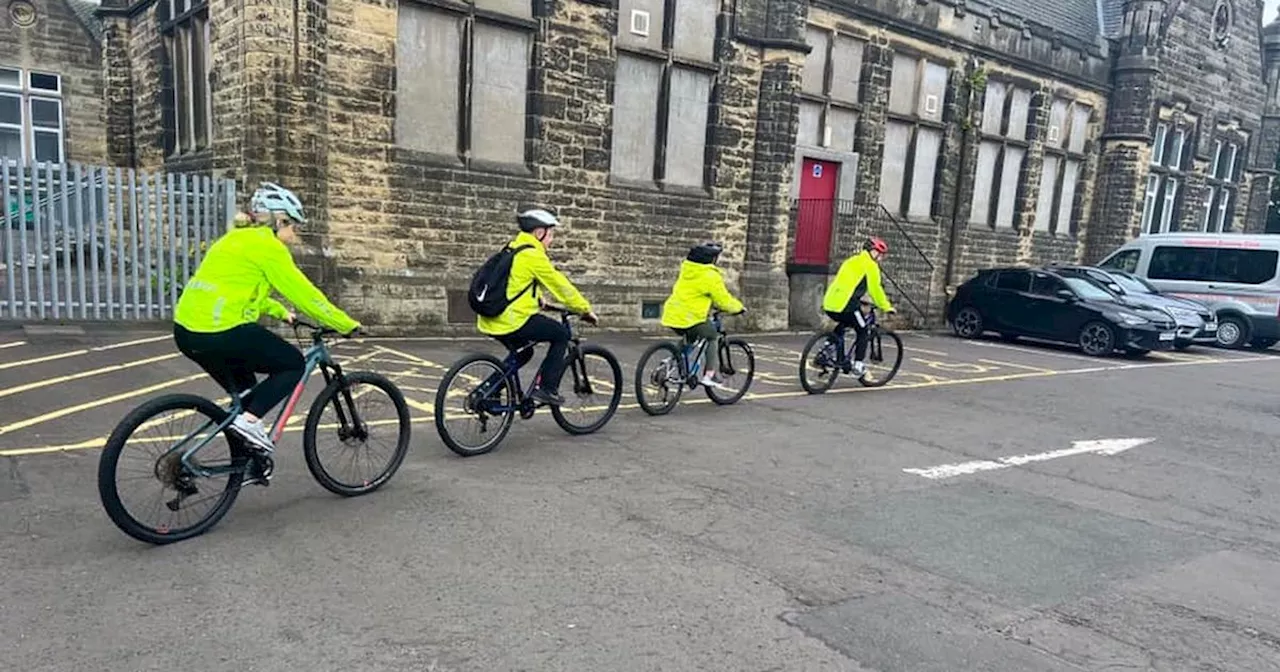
14 344
767 396
47 382
81 351
1025 367
53 415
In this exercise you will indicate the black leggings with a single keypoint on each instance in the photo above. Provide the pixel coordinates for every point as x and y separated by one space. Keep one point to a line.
541 329
232 357
858 322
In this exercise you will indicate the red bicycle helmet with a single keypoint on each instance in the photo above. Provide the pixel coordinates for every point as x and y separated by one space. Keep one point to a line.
876 244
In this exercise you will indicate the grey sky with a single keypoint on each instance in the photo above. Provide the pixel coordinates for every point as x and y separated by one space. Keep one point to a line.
1269 11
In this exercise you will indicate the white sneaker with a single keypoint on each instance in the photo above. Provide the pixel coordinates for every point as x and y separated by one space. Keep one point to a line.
859 369
253 432
711 380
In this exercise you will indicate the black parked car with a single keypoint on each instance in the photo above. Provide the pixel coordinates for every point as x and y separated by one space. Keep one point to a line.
1040 303
1196 323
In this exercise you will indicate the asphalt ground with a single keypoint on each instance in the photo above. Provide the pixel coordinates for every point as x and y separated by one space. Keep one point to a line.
788 532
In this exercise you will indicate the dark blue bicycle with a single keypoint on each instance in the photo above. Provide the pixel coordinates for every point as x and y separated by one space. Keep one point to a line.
489 394
658 391
830 353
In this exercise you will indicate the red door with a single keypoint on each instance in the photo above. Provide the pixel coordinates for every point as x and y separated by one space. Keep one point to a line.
814 211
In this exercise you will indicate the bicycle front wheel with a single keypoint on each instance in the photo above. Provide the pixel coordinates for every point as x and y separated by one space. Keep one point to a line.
354 399
819 364
153 435
741 360
658 391
597 380
882 366
473 407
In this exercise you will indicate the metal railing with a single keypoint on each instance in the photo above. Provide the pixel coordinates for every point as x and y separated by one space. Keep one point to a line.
93 242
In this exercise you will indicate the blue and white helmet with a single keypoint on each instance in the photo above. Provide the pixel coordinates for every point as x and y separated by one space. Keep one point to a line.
271 197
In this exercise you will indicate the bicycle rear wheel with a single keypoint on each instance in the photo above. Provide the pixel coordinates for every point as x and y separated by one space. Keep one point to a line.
737 355
163 463
345 401
665 382
885 367
586 374
822 353
498 405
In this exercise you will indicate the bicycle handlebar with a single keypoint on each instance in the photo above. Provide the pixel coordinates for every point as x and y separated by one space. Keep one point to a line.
565 312
321 332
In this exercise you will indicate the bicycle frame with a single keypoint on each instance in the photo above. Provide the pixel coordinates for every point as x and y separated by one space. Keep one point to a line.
511 370
873 340
317 355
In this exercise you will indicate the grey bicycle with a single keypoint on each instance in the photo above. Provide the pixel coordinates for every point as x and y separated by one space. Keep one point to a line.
189 461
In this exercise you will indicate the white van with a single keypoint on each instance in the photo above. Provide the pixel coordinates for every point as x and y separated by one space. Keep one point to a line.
1236 275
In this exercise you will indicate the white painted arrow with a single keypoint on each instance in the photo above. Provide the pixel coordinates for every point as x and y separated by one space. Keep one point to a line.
1097 446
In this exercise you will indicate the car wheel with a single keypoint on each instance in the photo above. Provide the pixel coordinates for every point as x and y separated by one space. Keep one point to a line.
1097 339
967 323
1233 332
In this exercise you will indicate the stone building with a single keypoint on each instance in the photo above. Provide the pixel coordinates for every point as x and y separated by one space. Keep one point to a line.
51 94
965 132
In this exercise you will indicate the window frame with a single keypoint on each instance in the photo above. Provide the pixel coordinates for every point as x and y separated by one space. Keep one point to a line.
1003 141
1222 191
827 100
668 61
1213 254
1065 156
26 94
915 123
1162 176
176 31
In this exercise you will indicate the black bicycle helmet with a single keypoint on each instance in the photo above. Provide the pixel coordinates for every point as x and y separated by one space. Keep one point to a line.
536 218
705 253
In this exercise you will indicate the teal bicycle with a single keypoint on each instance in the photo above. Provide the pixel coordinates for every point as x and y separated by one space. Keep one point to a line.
189 461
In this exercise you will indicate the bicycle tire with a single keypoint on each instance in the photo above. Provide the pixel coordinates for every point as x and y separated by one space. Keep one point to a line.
674 354
331 394
614 399
109 460
442 394
881 333
714 393
812 387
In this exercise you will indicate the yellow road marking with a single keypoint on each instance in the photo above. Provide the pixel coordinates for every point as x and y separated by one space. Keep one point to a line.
97 443
82 351
1025 367
960 367
914 349
12 345
412 358
22 424
84 374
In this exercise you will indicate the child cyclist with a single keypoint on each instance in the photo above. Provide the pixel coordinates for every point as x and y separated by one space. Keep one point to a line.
700 286
216 318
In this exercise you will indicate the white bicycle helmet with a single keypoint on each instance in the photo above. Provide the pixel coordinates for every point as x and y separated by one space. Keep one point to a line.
536 218
271 197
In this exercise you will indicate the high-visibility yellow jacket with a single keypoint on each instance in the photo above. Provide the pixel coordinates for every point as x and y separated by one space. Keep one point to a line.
858 275
529 267
233 283
698 287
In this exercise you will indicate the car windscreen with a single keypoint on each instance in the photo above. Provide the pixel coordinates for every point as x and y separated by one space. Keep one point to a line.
1087 290
1131 284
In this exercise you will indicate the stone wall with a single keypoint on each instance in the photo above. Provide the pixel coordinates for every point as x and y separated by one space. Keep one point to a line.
60 42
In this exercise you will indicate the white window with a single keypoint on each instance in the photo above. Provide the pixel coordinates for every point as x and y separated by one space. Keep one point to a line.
185 26
1063 162
1000 155
1165 178
1222 188
913 136
31 126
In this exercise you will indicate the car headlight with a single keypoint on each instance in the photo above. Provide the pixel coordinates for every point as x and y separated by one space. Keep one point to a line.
1133 320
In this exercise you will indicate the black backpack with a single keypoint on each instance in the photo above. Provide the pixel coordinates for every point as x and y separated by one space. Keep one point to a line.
488 293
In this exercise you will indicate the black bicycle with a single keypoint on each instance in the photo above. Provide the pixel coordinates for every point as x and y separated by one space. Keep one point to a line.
189 456
681 367
492 395
830 356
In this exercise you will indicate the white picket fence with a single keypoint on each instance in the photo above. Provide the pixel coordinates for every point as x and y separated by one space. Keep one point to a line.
84 242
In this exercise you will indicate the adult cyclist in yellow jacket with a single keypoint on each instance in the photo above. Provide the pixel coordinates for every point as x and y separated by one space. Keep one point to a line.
698 287
216 318
520 324
846 298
